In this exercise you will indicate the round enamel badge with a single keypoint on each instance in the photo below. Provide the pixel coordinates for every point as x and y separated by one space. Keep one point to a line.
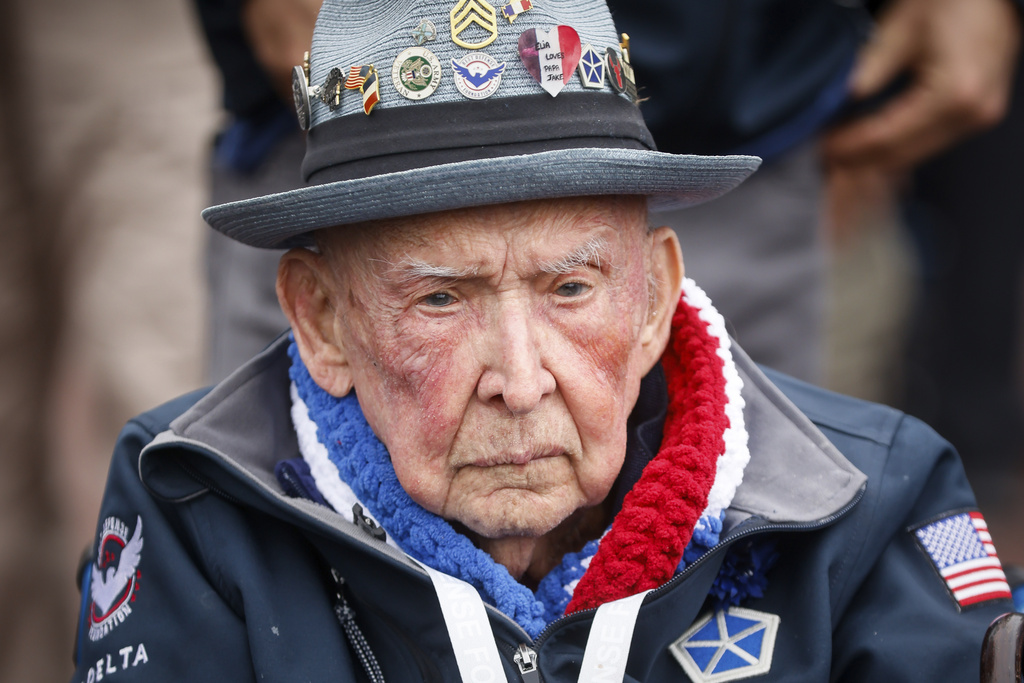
477 75
416 73
616 76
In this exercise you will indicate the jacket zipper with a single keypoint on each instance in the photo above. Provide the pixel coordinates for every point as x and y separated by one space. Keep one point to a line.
526 660
356 640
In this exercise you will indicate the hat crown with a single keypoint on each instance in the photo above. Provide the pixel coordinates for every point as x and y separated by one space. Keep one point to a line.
467 139
358 32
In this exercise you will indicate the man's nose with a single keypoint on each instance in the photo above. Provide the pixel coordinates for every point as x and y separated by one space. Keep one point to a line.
515 374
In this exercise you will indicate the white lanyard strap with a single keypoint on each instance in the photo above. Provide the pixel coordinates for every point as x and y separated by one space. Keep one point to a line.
468 628
476 652
610 637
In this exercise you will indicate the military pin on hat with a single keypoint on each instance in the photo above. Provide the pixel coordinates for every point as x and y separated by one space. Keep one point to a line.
363 78
467 14
329 91
477 75
300 92
513 9
615 76
627 68
591 68
416 73
424 32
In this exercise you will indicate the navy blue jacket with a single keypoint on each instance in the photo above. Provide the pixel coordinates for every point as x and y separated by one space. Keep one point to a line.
229 578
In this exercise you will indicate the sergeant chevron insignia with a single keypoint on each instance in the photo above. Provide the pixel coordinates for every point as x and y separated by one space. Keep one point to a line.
468 13
727 645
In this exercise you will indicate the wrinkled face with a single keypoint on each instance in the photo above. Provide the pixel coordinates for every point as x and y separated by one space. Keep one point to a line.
497 352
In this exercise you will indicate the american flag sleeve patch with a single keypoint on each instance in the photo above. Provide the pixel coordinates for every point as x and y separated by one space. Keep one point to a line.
961 551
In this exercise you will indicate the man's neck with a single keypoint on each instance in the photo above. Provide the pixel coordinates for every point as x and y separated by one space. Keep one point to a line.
530 559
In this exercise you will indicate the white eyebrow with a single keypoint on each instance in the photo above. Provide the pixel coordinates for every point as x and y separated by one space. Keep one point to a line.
587 254
410 269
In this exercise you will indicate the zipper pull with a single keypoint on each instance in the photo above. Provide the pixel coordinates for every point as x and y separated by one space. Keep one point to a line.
526 659
364 522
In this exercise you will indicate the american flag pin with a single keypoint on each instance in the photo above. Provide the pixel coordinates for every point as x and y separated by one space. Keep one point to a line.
363 78
961 550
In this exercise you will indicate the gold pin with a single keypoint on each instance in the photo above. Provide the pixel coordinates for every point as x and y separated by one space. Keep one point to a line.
465 14
627 68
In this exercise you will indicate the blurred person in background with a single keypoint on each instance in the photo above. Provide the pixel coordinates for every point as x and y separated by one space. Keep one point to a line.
965 212
104 110
881 86
927 261
254 44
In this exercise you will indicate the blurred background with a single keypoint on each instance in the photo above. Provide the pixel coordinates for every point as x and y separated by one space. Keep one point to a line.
106 115
120 121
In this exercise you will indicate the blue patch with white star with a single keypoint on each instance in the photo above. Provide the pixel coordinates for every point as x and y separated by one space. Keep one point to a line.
727 645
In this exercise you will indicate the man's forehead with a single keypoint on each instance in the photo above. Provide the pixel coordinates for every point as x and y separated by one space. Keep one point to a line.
552 259
525 227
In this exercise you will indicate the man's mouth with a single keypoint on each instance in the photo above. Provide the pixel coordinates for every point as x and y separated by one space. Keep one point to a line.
524 457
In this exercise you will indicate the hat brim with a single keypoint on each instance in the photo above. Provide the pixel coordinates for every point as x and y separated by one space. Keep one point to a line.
670 181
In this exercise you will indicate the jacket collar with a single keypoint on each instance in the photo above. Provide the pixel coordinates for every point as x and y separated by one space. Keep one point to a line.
232 438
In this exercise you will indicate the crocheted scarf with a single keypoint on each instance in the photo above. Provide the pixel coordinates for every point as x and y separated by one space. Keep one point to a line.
677 505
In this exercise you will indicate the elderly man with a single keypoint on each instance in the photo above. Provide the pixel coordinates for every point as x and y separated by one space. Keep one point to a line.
506 439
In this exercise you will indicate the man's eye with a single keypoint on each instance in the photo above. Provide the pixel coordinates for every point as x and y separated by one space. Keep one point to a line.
439 299
570 289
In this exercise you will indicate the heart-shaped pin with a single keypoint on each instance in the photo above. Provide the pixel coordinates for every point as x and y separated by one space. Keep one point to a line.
550 56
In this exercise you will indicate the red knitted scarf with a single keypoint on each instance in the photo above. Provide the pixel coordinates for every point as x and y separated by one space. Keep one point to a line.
646 541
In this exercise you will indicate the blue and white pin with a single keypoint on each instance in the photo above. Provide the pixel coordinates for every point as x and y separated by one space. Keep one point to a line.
727 645
591 68
477 75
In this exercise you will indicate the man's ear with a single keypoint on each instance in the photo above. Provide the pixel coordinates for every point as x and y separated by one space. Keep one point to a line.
305 294
666 284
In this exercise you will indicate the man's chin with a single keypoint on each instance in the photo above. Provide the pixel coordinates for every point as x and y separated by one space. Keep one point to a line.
496 521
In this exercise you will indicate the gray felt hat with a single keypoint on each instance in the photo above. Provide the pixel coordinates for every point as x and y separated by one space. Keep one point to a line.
468 104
